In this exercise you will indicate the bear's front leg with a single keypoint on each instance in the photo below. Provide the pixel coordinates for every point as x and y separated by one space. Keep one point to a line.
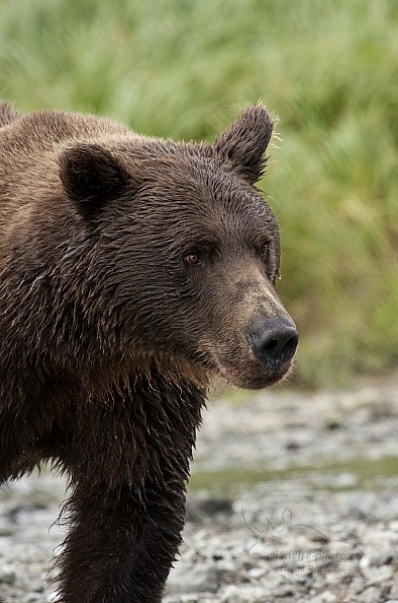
128 463
121 547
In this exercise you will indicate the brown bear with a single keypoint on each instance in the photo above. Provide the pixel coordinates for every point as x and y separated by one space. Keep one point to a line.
132 271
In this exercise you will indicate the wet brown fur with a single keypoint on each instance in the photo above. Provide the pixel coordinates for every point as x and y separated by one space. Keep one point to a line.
109 336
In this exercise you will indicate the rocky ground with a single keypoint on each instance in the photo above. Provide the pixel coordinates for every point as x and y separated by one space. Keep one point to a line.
293 498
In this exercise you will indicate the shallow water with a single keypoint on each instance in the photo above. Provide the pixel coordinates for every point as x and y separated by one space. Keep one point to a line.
359 473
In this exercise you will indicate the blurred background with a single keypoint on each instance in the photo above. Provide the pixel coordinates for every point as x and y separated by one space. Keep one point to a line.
185 69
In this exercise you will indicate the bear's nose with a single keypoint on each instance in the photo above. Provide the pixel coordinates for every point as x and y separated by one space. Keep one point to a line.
273 340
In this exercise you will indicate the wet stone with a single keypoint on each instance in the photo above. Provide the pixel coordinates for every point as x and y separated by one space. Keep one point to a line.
370 595
193 577
7 574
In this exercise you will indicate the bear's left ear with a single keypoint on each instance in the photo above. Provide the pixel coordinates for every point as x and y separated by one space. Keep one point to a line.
243 145
91 176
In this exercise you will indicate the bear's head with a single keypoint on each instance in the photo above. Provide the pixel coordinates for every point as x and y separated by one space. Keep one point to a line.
185 250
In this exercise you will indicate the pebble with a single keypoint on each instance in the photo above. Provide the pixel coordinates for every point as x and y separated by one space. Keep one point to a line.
370 595
7 574
325 597
193 578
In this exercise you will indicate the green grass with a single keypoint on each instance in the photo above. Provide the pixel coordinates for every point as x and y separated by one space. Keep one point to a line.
183 68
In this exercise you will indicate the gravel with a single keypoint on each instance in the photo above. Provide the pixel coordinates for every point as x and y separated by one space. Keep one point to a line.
293 498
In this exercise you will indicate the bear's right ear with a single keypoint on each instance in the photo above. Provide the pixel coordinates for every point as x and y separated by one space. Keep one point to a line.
91 176
243 145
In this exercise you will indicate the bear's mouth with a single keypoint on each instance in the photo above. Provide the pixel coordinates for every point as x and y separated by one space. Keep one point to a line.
240 367
258 377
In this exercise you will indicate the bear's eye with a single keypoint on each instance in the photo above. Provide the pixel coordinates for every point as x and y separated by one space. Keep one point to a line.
193 259
199 254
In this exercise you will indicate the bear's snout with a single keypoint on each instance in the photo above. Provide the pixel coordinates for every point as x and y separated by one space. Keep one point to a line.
273 341
263 356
